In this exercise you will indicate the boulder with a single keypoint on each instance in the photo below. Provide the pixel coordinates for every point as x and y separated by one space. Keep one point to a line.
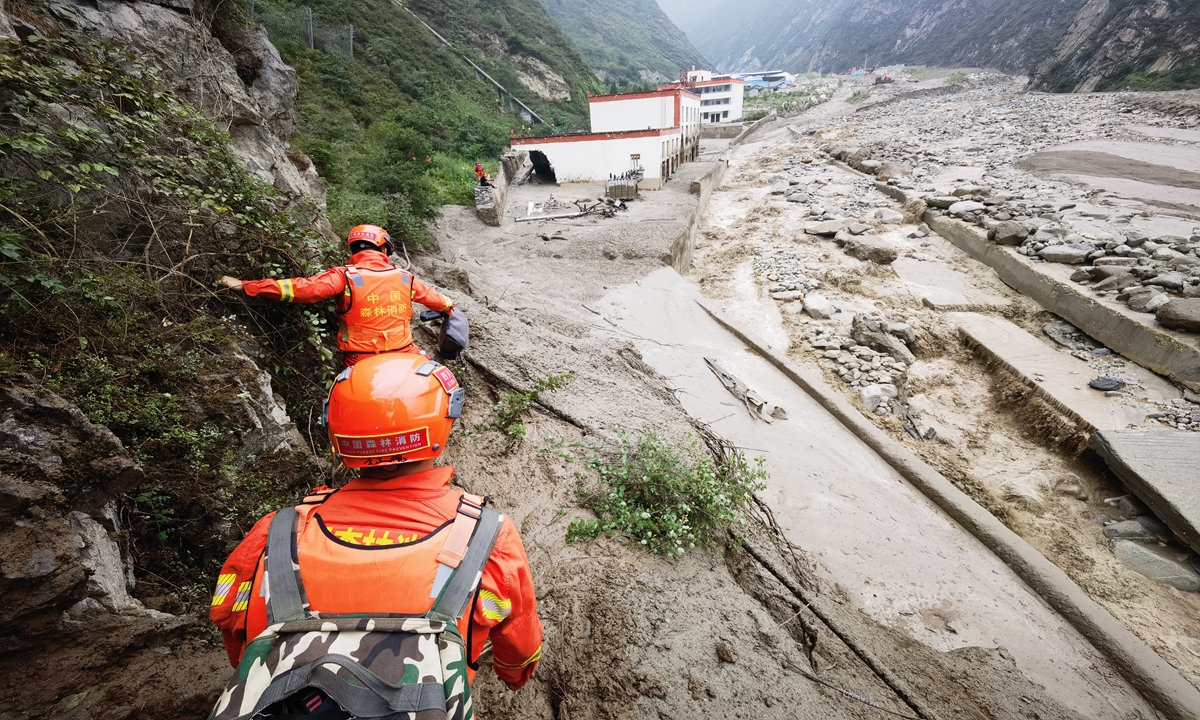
968 190
828 227
889 216
798 198
1166 565
1154 303
965 206
872 249
1119 281
818 307
879 339
1010 233
872 396
870 166
942 202
1140 298
1171 281
1067 254
779 187
858 228
1180 314
787 295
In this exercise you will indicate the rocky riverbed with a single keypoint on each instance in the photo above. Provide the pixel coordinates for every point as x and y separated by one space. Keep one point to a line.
825 213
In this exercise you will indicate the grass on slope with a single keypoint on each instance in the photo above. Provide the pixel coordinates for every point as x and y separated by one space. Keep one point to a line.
625 41
397 129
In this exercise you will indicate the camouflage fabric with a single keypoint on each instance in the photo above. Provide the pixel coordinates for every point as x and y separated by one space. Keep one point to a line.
402 669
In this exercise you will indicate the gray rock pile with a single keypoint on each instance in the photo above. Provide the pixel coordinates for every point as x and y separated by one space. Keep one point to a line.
874 359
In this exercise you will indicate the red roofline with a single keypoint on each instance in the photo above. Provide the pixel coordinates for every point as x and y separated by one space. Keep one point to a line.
659 93
585 137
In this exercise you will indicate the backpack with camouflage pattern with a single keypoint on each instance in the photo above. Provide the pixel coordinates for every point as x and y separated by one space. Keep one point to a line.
374 664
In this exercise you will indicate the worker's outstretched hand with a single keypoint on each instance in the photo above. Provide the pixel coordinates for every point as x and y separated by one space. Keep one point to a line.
230 282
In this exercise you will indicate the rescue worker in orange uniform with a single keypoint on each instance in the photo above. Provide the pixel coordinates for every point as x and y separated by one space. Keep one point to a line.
376 546
373 298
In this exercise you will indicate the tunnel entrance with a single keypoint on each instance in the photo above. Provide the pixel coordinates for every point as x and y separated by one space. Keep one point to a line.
542 170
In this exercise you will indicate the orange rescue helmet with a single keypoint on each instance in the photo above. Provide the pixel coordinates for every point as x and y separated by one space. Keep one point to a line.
372 234
392 408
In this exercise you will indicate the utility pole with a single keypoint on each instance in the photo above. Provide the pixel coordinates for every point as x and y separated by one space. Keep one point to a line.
352 41
308 16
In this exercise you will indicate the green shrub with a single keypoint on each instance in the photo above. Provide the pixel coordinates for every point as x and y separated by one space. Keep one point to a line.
859 96
666 497
513 406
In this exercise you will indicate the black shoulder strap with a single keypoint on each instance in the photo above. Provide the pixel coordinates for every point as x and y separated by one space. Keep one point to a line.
284 601
452 602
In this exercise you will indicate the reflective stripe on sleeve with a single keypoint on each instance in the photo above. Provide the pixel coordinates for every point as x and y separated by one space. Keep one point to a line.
287 291
537 655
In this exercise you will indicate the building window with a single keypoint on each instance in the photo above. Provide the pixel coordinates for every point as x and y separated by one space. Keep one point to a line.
725 114
717 101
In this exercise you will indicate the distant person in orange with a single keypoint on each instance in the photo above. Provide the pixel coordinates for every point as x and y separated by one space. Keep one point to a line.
373 298
368 581
478 171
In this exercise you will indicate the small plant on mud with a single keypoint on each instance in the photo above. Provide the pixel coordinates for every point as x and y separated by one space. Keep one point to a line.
667 497
859 96
513 406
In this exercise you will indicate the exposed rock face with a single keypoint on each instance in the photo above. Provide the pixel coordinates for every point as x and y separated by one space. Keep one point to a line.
1108 40
66 571
834 35
238 80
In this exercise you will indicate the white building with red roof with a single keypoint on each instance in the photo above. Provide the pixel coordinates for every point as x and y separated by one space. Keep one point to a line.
650 133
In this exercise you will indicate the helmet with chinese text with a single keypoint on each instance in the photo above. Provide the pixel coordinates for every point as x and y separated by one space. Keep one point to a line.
392 408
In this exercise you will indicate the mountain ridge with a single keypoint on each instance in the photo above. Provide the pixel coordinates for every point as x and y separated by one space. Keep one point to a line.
625 41
1064 45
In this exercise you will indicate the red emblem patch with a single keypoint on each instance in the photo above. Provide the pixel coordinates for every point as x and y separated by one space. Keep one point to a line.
382 445
446 378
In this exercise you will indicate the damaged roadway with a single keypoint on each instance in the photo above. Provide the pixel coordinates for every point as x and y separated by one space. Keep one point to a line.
909 628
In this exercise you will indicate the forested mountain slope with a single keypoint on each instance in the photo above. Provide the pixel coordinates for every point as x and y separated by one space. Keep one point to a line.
396 128
625 40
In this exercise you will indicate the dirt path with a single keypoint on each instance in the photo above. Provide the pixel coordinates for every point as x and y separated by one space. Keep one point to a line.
991 440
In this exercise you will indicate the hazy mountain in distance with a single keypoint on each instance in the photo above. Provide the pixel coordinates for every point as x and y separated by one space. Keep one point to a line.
835 35
1065 44
625 40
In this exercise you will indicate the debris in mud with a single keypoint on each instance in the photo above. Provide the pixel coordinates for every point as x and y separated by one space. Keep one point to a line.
1069 336
1106 383
726 652
757 405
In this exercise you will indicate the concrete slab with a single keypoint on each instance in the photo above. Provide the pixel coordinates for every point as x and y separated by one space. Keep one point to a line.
943 288
1135 335
1062 376
891 549
1163 470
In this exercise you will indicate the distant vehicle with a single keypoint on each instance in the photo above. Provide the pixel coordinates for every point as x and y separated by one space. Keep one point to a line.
884 80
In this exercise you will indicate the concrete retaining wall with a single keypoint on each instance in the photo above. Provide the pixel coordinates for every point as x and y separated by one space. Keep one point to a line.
680 256
1167 352
489 201
1160 683
750 129
721 131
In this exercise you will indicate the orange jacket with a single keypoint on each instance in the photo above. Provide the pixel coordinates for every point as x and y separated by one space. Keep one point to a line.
404 509
354 312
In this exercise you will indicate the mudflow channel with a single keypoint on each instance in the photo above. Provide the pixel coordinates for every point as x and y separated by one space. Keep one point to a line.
876 538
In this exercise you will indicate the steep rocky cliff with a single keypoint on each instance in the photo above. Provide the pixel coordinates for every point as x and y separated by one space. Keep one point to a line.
143 148
625 40
1122 44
